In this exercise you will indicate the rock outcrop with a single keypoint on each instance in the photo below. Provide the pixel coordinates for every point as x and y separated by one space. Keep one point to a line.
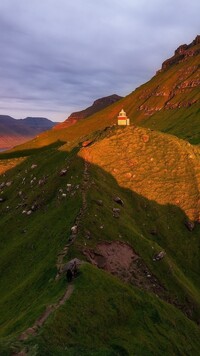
98 105
182 53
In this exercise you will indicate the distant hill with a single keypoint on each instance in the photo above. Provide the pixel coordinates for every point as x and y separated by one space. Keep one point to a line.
117 206
169 102
97 105
14 132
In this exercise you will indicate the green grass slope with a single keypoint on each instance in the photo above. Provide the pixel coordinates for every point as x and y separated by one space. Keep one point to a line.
104 315
169 102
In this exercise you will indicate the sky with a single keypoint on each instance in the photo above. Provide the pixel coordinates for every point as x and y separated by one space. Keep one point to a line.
58 56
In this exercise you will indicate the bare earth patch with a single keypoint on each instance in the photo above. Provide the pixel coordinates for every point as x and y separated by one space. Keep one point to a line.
119 259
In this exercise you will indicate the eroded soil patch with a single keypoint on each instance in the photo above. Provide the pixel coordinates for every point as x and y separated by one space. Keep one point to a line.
119 259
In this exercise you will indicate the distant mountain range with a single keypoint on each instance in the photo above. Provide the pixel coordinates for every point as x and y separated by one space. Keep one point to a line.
97 105
14 132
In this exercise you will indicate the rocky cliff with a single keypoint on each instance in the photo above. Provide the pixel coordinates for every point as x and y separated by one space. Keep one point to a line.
182 53
97 105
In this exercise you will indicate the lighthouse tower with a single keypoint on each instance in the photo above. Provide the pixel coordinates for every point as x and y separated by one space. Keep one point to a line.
123 119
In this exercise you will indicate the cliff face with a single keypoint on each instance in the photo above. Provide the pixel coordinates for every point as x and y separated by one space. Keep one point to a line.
98 105
175 85
182 53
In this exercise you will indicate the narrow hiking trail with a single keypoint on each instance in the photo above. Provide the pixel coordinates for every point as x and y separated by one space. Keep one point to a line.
32 331
43 317
78 220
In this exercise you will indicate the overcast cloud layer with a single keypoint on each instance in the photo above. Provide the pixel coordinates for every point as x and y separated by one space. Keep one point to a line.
57 56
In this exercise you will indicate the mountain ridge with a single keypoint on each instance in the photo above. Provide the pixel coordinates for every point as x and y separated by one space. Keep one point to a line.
97 105
121 204
14 132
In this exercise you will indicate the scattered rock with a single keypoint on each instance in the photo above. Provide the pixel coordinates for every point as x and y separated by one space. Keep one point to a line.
41 182
69 187
88 234
63 172
153 232
29 212
119 201
34 207
34 166
71 238
116 212
2 185
8 184
159 256
99 202
2 200
64 195
87 143
74 229
190 225
145 138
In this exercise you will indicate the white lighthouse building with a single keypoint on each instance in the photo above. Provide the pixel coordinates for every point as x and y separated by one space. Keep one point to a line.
123 119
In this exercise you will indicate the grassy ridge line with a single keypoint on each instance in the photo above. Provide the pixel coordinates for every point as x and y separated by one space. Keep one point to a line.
48 229
30 244
186 119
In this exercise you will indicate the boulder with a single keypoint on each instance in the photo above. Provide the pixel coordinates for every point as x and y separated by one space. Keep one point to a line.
116 212
119 201
159 256
87 143
74 230
41 182
2 185
63 172
8 184
69 187
34 166
75 263
99 202
29 212
190 225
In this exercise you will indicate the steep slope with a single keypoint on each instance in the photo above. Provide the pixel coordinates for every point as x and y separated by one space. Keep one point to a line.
98 105
14 132
52 191
169 102
125 202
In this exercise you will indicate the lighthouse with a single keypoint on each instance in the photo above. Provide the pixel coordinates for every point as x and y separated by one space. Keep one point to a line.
123 119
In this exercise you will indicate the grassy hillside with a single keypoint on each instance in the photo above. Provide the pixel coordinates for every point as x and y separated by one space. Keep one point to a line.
156 309
169 102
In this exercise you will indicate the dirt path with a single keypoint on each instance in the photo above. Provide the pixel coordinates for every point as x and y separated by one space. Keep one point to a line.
32 331
49 310
84 189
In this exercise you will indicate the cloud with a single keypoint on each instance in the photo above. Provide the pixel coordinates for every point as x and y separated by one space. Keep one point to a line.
58 56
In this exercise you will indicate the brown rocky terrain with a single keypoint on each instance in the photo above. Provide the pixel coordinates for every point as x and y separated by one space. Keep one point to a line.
182 53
